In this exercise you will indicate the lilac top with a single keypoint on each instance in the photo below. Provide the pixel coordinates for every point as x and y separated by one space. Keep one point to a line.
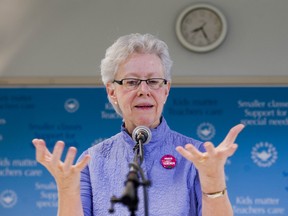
174 192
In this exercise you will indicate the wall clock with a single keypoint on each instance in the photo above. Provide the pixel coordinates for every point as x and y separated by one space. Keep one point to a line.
201 27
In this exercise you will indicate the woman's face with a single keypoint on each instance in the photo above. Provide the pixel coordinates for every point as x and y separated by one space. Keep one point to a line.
142 105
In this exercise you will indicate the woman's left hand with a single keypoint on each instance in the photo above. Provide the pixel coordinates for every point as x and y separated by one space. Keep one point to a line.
211 163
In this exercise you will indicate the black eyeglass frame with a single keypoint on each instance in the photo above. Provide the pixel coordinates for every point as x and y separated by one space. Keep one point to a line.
139 81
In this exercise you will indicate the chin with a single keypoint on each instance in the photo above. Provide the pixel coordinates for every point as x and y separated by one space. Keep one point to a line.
150 123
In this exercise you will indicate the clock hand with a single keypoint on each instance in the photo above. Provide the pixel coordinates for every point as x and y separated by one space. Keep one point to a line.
205 35
200 28
196 29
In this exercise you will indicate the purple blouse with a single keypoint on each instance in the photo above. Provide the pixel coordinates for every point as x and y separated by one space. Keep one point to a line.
173 192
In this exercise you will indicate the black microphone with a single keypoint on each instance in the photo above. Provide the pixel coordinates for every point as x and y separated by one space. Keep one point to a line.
141 133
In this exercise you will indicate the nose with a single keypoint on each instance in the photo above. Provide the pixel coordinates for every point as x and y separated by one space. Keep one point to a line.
143 88
144 84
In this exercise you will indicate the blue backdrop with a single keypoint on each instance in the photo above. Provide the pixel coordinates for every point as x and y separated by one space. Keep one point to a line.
257 174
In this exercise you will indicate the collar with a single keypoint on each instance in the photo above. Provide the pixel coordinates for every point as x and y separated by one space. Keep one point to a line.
158 134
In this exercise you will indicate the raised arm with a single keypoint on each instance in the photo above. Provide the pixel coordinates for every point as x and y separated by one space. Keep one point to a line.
210 164
66 175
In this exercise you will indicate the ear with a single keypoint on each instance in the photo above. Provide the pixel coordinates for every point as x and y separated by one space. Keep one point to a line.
168 86
110 89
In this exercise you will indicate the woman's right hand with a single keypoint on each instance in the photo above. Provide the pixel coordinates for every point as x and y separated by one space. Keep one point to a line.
66 175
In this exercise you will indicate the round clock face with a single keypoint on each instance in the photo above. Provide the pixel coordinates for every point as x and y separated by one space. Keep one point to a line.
201 28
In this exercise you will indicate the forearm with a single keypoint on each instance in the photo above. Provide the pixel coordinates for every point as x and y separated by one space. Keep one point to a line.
69 205
66 175
216 206
220 205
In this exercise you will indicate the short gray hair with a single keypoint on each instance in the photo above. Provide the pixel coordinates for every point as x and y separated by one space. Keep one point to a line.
126 45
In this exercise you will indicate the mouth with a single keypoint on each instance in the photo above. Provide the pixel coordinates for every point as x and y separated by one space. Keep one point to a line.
144 106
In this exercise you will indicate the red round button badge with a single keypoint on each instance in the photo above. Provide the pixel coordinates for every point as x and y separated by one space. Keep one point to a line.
168 161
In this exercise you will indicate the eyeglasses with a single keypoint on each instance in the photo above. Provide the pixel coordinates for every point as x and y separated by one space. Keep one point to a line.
133 83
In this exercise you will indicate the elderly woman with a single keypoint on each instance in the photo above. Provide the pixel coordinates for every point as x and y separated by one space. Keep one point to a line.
136 73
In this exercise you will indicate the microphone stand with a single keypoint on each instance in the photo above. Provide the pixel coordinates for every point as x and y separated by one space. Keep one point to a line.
129 197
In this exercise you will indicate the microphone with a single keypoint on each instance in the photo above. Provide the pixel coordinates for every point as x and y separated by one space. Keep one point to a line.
141 133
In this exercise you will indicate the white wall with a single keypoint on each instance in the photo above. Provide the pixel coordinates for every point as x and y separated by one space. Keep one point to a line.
60 38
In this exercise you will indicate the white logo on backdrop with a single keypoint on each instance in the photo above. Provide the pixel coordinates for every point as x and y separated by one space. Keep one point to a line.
206 131
71 105
264 154
2 121
8 198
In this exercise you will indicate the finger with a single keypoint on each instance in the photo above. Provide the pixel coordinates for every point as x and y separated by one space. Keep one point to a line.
35 141
69 158
186 154
210 148
199 157
189 152
233 133
41 151
232 150
83 163
57 152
